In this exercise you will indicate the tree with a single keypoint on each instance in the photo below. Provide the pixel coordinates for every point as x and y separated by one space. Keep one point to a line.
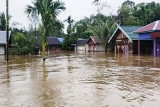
100 4
104 31
70 22
2 22
126 12
48 10
84 27
20 43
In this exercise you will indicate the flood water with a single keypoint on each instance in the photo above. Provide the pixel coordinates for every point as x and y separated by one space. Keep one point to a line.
80 80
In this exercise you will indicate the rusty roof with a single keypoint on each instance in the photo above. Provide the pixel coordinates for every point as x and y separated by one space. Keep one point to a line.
95 39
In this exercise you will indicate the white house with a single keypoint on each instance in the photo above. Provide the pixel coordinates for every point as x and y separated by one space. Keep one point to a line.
3 41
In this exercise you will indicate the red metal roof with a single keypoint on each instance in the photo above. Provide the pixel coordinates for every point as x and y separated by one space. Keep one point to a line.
150 27
158 26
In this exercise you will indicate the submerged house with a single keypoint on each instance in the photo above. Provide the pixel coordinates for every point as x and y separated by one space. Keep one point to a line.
81 45
94 45
54 44
125 40
3 41
149 39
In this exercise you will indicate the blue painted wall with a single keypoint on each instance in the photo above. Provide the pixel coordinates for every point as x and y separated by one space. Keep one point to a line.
144 36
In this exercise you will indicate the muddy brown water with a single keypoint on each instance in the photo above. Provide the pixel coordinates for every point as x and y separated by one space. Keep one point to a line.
80 80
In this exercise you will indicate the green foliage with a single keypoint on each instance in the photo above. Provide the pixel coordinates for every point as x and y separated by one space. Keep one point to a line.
84 27
140 14
32 40
48 10
2 22
70 22
21 44
104 31
69 44
70 38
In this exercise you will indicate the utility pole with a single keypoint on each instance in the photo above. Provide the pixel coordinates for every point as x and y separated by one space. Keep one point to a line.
7 28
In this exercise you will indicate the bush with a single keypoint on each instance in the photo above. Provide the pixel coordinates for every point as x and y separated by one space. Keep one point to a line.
20 43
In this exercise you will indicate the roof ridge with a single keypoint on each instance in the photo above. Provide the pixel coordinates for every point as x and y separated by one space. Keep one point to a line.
155 26
144 27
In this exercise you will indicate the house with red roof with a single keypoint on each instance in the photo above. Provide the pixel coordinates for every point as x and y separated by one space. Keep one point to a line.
149 38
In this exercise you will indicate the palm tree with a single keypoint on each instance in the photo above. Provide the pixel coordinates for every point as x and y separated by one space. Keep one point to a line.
70 21
104 31
48 10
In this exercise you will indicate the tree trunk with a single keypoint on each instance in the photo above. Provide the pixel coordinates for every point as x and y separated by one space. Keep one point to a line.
106 45
43 50
7 28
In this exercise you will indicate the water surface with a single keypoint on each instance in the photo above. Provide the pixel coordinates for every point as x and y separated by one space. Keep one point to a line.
80 80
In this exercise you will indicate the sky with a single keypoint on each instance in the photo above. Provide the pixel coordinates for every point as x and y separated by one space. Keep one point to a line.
78 9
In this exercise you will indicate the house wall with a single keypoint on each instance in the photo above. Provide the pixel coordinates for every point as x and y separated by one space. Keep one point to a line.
81 48
146 44
99 48
121 36
52 49
92 47
2 50
123 44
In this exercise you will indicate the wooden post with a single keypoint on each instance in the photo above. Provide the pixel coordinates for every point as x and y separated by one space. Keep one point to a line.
154 49
115 49
7 28
139 47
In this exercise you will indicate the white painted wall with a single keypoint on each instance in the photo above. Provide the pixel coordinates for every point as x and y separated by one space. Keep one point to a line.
2 50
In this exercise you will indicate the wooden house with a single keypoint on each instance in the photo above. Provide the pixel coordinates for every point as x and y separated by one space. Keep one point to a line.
149 39
3 41
125 40
94 45
54 44
81 45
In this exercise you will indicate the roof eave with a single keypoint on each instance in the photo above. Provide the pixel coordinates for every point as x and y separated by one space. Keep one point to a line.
125 34
113 34
118 27
151 31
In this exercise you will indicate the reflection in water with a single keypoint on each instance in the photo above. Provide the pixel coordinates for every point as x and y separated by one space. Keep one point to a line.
44 71
81 79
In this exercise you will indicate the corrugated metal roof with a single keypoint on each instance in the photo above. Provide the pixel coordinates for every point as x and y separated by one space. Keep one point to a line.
81 42
95 39
158 26
3 37
61 39
129 30
155 26
53 41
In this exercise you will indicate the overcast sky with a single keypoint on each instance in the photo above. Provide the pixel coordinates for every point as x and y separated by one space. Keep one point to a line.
78 9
